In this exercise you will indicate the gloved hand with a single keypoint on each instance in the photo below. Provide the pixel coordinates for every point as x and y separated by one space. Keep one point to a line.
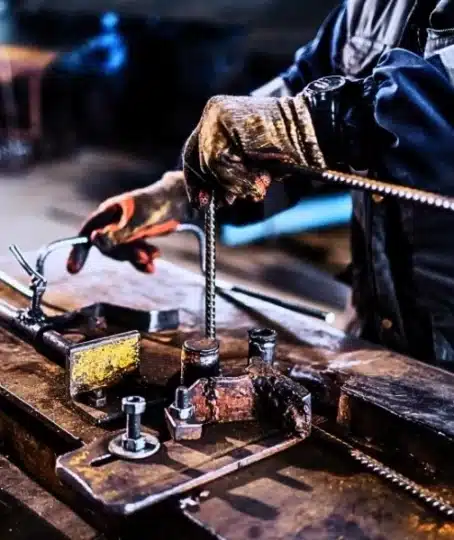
241 144
120 225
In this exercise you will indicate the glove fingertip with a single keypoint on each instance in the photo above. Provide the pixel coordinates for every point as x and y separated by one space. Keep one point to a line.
77 259
150 268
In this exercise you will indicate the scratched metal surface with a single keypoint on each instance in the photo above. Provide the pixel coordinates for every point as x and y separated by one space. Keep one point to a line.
304 342
310 493
28 511
338 501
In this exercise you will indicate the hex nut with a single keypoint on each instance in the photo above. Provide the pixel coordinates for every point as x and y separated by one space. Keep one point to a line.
182 430
133 405
182 413
151 446
133 445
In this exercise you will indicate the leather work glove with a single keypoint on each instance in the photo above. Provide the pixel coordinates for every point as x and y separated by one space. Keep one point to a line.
241 144
120 225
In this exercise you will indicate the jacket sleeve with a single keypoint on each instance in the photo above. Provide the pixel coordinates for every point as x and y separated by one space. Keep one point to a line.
320 57
412 106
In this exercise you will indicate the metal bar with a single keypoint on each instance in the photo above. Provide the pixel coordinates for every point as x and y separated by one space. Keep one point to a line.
327 316
46 250
353 181
210 266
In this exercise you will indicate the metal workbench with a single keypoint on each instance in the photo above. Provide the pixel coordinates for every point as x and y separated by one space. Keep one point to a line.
396 408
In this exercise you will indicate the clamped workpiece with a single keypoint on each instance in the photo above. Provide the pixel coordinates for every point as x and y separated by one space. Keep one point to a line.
206 397
277 410
98 372
103 472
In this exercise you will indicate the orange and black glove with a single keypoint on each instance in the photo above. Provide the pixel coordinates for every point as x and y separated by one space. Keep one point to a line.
241 144
120 225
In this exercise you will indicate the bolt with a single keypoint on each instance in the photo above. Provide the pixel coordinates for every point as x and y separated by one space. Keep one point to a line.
98 398
182 406
262 343
134 407
182 397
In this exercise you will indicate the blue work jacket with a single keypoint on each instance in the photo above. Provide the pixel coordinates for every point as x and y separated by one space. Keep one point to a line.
402 53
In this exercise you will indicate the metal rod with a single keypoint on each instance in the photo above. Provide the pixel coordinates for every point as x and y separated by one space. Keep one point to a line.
15 285
353 181
200 235
210 269
327 316
46 250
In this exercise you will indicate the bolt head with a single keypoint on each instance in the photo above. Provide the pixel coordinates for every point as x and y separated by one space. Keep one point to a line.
182 413
133 405
133 445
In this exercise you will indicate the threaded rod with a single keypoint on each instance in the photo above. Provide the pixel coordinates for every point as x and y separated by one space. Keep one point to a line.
210 270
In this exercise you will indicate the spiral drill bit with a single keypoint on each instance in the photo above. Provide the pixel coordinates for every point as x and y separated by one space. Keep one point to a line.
210 269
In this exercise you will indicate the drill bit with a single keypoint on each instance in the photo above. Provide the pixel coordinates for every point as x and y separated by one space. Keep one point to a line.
210 269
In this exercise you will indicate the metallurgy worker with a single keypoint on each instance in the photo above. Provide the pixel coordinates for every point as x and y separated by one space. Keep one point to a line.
385 109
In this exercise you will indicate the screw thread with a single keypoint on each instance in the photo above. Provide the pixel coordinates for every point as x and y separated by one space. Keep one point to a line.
210 270
182 397
133 426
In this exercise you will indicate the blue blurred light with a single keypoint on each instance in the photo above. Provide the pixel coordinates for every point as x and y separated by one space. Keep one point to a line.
309 214
109 20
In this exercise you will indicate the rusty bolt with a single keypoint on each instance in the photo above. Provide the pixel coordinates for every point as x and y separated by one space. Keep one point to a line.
134 407
133 444
180 417
182 406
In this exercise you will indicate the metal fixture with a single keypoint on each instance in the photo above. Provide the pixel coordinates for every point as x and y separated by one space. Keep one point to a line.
262 343
199 359
133 444
262 393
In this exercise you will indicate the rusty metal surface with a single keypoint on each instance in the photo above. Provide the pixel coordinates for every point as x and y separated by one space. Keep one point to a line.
420 397
312 493
261 391
124 487
223 399
37 386
40 514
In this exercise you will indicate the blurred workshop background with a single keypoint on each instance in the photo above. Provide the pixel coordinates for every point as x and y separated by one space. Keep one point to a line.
82 87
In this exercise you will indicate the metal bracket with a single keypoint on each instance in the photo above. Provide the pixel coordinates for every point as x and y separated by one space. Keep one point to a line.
261 392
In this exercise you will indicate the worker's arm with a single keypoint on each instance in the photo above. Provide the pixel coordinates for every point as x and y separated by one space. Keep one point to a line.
398 122
120 225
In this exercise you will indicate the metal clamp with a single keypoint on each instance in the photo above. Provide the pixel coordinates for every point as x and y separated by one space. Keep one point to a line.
38 284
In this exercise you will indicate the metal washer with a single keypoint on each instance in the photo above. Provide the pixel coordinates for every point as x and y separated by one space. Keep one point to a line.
152 445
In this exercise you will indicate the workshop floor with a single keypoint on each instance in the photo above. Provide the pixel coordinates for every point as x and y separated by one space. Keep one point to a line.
50 201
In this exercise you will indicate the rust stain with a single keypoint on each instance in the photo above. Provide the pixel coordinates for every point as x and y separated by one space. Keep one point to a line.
431 528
